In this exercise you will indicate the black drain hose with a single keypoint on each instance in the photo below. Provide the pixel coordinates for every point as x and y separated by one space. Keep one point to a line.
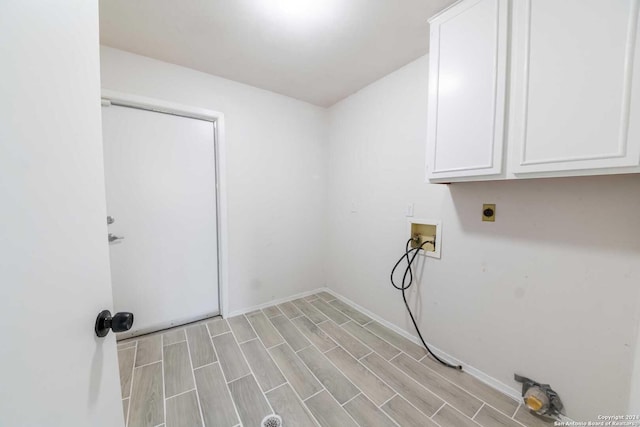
406 285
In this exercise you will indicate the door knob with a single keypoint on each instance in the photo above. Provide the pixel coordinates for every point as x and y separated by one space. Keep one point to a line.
113 237
120 322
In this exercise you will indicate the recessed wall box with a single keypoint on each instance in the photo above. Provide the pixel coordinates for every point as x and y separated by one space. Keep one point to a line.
426 230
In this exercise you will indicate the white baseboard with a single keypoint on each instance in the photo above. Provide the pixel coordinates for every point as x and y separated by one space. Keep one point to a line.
474 372
274 302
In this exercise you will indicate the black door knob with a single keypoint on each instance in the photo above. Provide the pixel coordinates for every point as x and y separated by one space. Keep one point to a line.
120 322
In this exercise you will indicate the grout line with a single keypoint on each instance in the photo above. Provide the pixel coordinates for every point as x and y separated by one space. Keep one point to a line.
127 345
193 374
239 378
429 389
478 411
359 394
208 364
173 343
240 343
516 411
477 396
386 401
133 371
381 380
180 394
274 315
150 363
436 372
317 392
371 352
282 373
323 388
386 413
311 307
249 365
275 345
510 397
365 345
351 318
514 416
401 352
393 345
163 331
435 413
221 333
317 379
373 373
304 348
392 388
273 388
127 414
164 392
360 360
332 348
284 342
274 302
379 337
224 378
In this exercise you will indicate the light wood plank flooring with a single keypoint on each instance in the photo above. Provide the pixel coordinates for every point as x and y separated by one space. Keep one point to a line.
315 361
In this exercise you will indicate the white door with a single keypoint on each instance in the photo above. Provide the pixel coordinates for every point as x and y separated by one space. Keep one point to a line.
160 174
467 82
54 259
575 85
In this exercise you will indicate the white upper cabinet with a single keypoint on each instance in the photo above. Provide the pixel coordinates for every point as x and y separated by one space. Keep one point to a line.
573 93
574 63
467 90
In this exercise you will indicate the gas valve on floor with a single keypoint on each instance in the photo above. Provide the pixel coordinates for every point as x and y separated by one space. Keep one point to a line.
540 398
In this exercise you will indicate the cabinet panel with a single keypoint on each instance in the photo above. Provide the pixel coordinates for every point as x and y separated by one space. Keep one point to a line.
572 68
467 90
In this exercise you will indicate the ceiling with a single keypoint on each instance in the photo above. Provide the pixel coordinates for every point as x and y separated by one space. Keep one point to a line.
319 51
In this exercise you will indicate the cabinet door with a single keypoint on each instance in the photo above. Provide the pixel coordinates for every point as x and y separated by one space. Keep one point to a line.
572 96
467 79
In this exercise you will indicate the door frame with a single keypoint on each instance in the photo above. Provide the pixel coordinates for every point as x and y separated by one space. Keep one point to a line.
217 118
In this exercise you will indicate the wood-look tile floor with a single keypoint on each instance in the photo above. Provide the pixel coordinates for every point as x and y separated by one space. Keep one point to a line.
315 361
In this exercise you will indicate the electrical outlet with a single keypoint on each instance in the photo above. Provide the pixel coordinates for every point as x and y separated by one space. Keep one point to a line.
489 212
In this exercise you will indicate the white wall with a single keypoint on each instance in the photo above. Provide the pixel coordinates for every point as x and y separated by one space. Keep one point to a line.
555 277
550 290
54 261
276 173
634 397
